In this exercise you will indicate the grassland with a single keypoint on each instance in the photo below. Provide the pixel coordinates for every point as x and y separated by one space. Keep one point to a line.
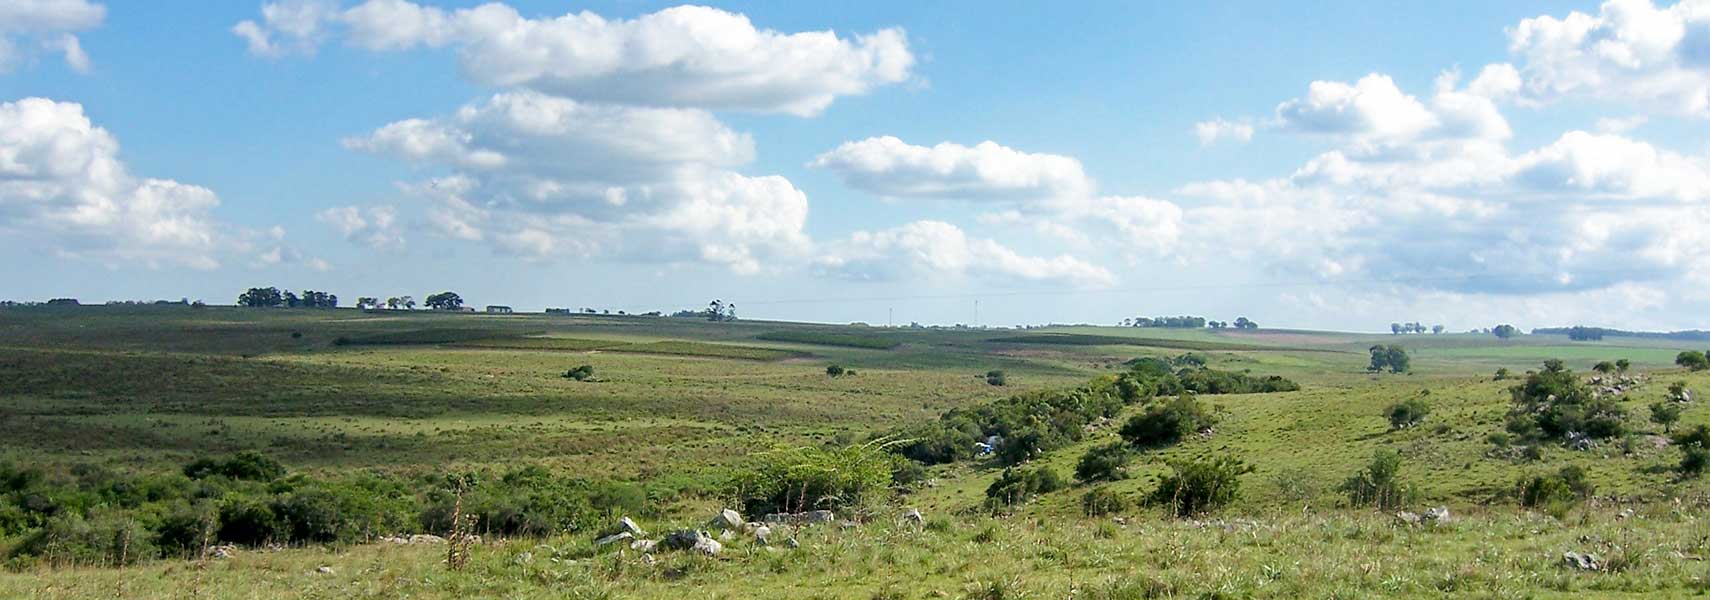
147 389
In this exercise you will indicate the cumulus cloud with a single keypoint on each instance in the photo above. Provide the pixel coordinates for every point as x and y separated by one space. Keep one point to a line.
49 24
687 56
374 226
62 184
937 250
986 171
1631 50
1215 130
542 176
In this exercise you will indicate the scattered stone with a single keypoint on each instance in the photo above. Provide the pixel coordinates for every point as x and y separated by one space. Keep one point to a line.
810 517
1584 561
694 540
614 538
761 533
627 524
324 570
792 543
913 516
644 546
1438 516
1626 513
726 535
1409 518
1120 521
223 551
728 519
819 516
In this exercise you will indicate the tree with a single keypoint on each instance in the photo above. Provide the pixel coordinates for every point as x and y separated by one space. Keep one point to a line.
1437 329
1692 359
366 302
393 302
1379 484
1245 323
261 297
1665 413
292 301
409 302
1504 331
445 301
1395 329
1408 413
1392 357
1622 365
1604 367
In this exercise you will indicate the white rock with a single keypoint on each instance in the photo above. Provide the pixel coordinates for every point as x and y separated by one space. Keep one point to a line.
614 538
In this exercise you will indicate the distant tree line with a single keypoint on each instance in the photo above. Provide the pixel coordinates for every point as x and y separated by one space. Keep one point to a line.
1188 322
1414 327
270 297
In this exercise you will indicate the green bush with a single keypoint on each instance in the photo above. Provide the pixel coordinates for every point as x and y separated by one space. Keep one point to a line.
1197 486
1167 424
1104 463
249 466
1694 450
580 373
1552 404
995 377
1555 492
834 370
1407 413
1102 500
1379 484
794 479
1017 486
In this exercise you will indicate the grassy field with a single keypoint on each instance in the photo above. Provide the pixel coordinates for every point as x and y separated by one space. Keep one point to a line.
338 392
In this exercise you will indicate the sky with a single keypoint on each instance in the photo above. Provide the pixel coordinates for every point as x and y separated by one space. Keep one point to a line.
1338 165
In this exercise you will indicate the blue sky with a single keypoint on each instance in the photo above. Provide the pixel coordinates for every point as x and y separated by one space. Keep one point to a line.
1045 160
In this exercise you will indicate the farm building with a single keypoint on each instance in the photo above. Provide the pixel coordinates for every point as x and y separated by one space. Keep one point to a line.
498 309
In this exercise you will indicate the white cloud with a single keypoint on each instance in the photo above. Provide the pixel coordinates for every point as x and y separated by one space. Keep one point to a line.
542 177
374 226
688 56
1215 130
1630 51
287 26
986 171
1620 125
935 250
63 186
50 24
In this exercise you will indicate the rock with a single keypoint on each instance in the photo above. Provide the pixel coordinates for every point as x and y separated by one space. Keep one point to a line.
627 524
913 516
1439 515
761 533
223 551
726 535
1583 561
693 540
1625 513
728 519
614 538
750 527
1409 518
848 524
792 543
818 516
644 546
324 570
810 517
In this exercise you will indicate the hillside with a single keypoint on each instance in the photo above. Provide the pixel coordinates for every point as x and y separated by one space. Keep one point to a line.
677 409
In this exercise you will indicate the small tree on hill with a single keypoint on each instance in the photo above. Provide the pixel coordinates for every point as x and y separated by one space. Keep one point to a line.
261 297
834 370
1379 484
1504 331
445 301
1408 413
1692 359
1197 486
1392 357
1665 413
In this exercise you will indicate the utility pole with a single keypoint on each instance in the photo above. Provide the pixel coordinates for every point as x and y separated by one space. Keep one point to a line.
976 314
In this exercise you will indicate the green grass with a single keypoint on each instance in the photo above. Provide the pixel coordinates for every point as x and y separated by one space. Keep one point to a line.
149 388
847 339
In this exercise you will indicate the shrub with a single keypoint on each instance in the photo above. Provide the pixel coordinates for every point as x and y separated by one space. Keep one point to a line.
1017 486
1694 451
834 370
1408 413
248 466
1552 404
1501 374
1102 500
1555 492
1665 413
580 373
1379 484
1692 359
793 479
105 539
1197 486
995 377
1104 463
1166 424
